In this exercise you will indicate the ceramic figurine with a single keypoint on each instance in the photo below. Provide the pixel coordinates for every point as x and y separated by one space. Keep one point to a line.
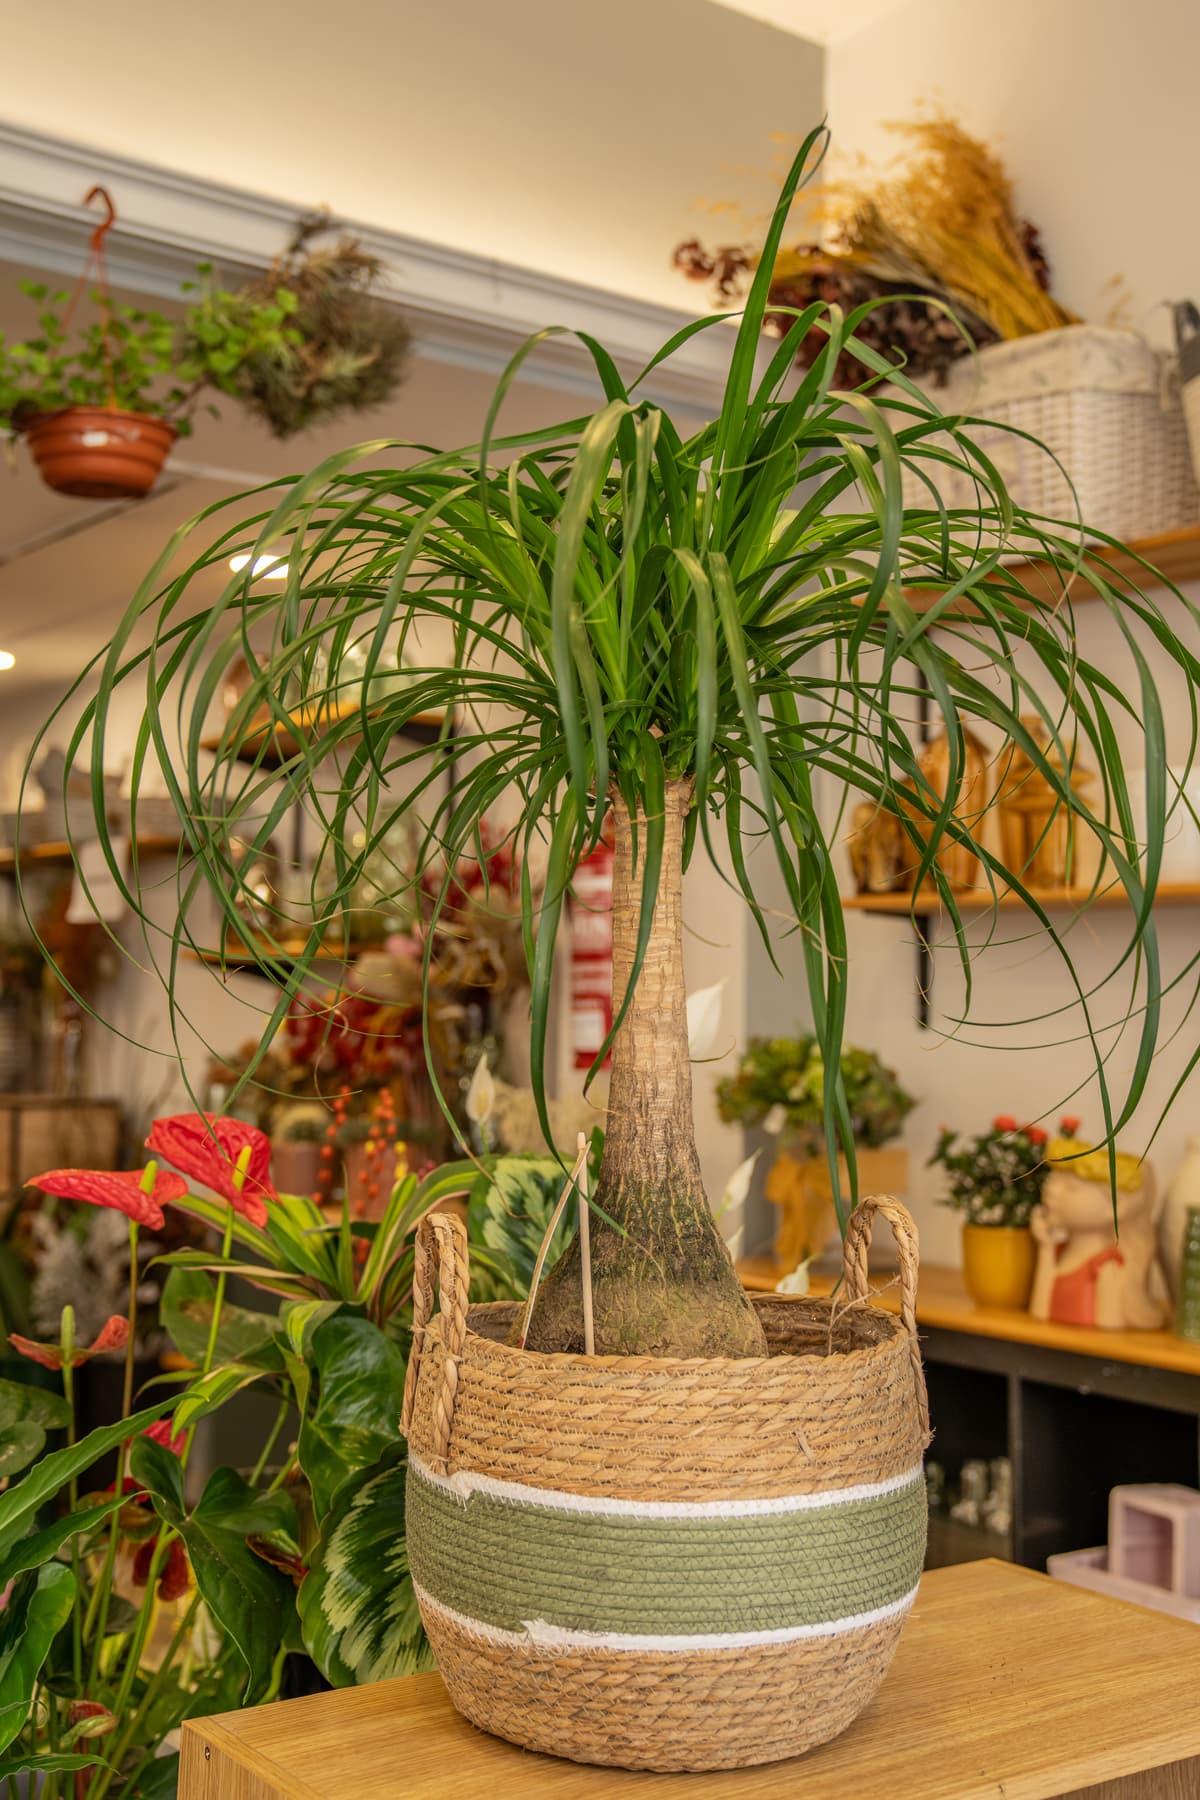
1085 1274
998 1507
1183 1193
881 857
1034 822
973 1489
957 862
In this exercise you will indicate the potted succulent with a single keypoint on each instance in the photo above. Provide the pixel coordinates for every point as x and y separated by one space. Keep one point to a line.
101 404
995 1180
780 1085
661 629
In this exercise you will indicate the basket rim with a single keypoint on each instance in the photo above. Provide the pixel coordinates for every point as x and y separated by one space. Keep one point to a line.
562 1361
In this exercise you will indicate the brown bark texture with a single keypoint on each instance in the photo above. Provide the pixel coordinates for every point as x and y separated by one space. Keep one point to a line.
663 1283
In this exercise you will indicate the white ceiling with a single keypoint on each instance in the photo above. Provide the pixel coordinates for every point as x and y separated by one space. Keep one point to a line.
821 21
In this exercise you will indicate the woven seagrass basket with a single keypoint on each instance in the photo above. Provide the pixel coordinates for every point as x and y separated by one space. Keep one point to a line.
666 1564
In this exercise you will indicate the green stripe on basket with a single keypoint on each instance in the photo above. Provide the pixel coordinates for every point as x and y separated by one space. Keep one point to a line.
504 1563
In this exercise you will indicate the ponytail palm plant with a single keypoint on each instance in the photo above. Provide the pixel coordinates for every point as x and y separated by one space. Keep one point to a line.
703 637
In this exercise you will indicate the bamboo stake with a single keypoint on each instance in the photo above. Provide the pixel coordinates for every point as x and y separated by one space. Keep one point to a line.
585 1246
535 1278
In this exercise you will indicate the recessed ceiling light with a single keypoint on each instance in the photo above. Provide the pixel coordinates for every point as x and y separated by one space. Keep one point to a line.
263 565
7 659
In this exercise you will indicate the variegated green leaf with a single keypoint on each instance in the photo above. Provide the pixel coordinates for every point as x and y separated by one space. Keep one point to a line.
358 1613
509 1212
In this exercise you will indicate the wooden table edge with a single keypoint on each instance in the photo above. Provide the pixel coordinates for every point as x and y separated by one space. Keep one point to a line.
198 1737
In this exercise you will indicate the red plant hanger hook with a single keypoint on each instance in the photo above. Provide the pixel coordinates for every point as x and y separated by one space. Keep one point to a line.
107 223
95 260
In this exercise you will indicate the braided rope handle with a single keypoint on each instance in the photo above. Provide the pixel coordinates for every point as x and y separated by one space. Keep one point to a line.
445 1234
858 1242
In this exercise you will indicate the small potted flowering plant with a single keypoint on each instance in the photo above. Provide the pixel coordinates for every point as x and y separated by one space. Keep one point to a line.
779 1085
995 1180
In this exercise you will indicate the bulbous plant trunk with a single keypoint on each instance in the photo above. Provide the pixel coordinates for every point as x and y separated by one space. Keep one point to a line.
664 1285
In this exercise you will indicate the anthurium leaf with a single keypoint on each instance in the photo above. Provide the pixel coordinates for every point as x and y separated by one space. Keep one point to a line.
248 1598
159 1780
54 1762
160 1472
209 1392
353 1422
33 1551
358 1612
38 1608
53 1472
509 1211
300 1318
296 1228
20 1403
19 1445
186 1311
259 1275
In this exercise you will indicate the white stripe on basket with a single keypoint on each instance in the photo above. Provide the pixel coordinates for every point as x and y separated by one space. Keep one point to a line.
556 1637
463 1483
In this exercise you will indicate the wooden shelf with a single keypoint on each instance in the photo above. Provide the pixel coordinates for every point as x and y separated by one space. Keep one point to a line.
944 1304
273 744
1168 893
1175 556
60 854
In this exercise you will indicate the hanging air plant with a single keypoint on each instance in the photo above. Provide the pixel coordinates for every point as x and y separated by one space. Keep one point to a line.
348 346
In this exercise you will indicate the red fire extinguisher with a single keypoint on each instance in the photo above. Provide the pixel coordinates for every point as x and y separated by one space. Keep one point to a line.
590 911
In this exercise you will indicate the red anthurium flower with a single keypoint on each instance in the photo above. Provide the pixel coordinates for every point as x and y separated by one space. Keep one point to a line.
172 1577
279 1558
208 1147
113 1336
90 1709
121 1189
1035 1134
1069 1124
1004 1123
160 1433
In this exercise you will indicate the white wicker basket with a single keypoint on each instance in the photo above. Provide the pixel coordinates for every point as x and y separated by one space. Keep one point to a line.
1104 402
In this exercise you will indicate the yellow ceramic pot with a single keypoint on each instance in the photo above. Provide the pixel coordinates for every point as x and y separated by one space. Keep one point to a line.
800 1186
998 1265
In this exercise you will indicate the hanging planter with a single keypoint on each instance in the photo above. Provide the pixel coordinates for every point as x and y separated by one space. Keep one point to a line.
665 1564
99 452
101 405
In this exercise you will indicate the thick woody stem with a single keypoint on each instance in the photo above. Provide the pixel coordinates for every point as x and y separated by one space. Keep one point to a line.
650 1130
662 1281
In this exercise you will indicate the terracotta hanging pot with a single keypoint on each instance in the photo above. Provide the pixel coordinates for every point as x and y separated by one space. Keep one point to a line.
99 452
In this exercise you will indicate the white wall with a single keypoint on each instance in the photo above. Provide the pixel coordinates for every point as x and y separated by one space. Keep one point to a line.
572 138
1093 109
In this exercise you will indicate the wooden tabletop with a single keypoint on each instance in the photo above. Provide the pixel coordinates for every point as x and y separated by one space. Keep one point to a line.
1005 1684
943 1302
